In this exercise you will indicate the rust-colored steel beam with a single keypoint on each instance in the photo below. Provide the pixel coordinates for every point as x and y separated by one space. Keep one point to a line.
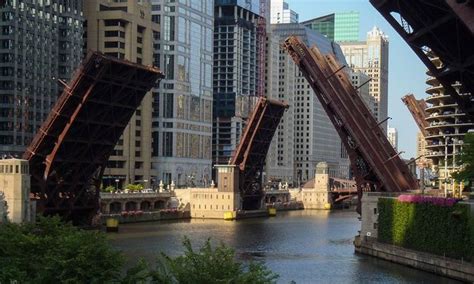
252 150
374 162
417 110
70 151
439 28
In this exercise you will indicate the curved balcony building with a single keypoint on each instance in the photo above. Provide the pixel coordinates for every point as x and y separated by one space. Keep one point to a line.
447 128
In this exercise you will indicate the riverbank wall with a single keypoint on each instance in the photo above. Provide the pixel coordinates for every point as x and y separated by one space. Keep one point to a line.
147 216
387 224
452 268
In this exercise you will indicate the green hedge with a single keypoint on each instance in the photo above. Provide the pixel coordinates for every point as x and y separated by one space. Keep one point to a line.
425 227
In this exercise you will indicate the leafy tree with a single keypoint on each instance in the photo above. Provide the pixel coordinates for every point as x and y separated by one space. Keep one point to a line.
207 265
467 160
50 251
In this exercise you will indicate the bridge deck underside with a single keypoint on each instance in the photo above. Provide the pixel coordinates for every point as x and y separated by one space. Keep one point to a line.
374 162
438 28
251 153
71 149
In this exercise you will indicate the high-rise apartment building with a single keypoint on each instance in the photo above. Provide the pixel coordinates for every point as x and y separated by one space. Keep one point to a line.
392 135
124 29
339 27
448 125
236 72
182 103
313 138
41 43
371 58
280 13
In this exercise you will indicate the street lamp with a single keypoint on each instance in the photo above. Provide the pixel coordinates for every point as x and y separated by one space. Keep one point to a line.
446 138
455 142
116 183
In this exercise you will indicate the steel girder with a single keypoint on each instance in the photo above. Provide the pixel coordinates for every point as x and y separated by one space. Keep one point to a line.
374 162
70 151
439 28
417 110
252 150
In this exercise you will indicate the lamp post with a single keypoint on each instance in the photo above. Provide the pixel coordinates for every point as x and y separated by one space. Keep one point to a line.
446 166
116 183
455 141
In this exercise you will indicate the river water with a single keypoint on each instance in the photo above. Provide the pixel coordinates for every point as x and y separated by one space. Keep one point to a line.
307 246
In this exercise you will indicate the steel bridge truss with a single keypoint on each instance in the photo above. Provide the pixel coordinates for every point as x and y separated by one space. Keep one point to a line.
417 110
68 155
252 150
374 162
439 28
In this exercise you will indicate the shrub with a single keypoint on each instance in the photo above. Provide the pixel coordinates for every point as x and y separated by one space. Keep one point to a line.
109 188
50 251
207 265
427 227
134 187
439 201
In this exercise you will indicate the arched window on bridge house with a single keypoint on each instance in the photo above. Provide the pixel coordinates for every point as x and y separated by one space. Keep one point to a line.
160 204
131 206
145 206
115 207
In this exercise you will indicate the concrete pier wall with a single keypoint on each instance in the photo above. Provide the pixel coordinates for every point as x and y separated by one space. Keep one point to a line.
456 269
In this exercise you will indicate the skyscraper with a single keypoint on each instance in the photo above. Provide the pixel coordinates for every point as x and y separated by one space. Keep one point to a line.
236 72
371 58
306 133
392 135
182 103
124 29
280 13
41 43
339 27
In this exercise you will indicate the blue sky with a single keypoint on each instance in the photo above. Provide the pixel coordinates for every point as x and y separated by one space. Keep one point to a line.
406 71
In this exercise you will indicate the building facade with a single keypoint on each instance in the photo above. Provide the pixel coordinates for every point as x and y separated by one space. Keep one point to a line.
315 139
371 58
236 69
280 84
41 42
392 135
339 27
124 29
15 189
448 125
280 13
182 103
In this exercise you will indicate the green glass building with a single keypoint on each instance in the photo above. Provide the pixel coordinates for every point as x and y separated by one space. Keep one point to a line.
338 27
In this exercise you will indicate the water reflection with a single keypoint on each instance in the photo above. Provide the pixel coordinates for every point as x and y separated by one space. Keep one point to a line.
305 246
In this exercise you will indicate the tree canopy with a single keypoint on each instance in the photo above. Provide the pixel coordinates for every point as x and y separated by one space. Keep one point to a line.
466 173
50 251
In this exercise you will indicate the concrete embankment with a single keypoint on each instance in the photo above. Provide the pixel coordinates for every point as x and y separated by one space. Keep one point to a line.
147 216
452 268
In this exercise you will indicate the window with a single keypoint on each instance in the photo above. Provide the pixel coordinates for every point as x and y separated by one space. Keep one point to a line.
168 106
167 144
111 44
154 143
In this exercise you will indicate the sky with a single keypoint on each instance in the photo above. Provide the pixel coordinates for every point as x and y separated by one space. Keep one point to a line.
406 73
